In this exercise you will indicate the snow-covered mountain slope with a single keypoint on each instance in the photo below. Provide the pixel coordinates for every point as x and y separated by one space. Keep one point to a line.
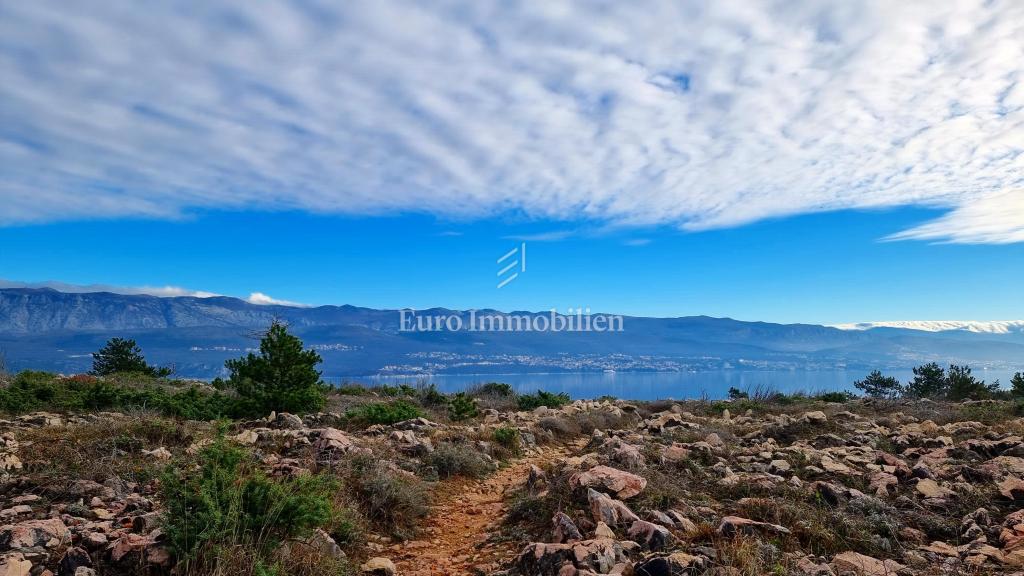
978 326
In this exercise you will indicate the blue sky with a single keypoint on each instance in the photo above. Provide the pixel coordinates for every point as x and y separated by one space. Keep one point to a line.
790 161
826 268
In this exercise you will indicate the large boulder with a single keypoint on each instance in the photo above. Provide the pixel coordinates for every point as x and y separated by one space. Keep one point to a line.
623 484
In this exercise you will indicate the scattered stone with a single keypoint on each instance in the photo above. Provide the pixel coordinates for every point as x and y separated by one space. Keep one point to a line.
73 559
650 535
378 567
670 565
606 509
862 565
931 489
623 484
1012 488
564 529
50 533
734 525
15 564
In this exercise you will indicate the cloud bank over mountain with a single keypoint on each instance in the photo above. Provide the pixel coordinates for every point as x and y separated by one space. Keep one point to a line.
979 326
637 114
258 298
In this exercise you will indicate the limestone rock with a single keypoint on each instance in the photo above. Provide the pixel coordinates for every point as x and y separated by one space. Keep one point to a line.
865 565
50 533
650 535
564 529
623 484
378 567
735 525
606 509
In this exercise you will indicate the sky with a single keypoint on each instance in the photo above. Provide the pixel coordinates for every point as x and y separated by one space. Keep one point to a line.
819 162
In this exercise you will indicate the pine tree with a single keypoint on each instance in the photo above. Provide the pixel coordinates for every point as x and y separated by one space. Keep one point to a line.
878 386
283 377
929 382
1017 385
123 355
964 386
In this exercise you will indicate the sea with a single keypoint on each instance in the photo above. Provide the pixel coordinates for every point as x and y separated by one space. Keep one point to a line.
712 384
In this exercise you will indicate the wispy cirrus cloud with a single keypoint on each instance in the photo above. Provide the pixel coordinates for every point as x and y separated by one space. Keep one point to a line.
697 115
996 219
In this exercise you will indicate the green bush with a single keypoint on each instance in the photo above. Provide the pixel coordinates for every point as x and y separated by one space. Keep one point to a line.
351 390
384 412
282 378
737 394
450 460
462 407
837 397
508 438
500 389
226 502
542 398
395 391
122 355
429 395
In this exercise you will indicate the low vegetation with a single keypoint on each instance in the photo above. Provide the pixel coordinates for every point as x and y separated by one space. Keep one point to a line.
384 412
225 503
542 398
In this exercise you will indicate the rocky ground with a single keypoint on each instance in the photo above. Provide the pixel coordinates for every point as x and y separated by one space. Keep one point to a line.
610 487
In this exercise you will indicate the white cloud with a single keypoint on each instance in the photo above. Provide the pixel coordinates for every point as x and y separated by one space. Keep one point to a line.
637 242
550 236
265 300
997 219
162 291
698 115
981 326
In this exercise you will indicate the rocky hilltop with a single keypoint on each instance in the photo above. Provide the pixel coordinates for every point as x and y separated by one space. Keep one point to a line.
797 486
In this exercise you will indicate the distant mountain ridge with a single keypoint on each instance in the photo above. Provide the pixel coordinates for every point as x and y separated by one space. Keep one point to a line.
48 329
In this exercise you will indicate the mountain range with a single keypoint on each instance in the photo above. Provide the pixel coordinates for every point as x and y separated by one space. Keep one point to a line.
42 328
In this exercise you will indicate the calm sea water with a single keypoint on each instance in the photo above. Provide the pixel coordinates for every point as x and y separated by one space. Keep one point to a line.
655 385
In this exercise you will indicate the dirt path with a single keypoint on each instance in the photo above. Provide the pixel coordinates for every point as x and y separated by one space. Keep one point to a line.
465 513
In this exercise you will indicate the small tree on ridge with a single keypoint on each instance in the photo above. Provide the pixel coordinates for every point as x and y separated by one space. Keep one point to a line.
282 377
121 355
877 386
